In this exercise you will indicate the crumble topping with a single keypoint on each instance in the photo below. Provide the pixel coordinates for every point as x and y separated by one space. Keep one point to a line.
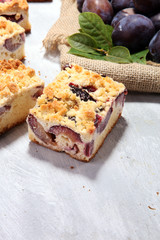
13 5
9 29
75 97
15 76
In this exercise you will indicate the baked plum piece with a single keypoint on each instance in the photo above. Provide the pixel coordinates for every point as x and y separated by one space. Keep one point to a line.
76 112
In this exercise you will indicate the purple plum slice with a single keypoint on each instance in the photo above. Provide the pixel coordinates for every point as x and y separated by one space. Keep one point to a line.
12 18
56 130
89 148
39 130
10 46
4 109
39 92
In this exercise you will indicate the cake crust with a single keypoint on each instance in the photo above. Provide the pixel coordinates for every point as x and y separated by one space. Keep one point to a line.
13 5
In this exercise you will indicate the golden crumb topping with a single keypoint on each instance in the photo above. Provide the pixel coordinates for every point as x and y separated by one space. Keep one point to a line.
9 29
15 76
13 6
76 97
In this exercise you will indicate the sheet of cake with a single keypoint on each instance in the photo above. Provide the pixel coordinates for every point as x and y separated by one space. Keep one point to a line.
46 195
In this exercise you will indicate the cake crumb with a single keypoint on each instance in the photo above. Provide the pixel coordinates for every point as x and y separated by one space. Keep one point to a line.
83 186
89 190
39 73
157 193
151 208
71 167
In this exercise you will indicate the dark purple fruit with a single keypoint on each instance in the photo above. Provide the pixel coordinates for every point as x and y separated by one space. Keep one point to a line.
121 4
154 48
156 21
121 14
102 8
80 4
146 6
134 32
83 94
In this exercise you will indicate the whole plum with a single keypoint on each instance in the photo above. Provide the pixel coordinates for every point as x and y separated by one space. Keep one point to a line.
121 4
80 4
154 48
134 32
102 8
121 14
156 21
147 6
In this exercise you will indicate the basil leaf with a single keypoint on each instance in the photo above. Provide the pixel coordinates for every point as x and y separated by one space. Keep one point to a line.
82 42
86 55
140 57
121 52
93 25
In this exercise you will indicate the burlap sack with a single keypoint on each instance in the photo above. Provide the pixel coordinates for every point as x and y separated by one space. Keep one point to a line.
136 77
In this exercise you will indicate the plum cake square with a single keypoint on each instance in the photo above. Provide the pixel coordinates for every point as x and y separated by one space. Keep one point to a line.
76 112
12 39
19 90
16 11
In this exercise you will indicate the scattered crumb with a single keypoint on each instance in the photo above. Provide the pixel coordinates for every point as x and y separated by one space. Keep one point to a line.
83 186
89 190
151 208
39 73
71 167
45 76
157 193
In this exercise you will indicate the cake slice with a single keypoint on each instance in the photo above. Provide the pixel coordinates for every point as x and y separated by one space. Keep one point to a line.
12 39
76 112
16 11
19 90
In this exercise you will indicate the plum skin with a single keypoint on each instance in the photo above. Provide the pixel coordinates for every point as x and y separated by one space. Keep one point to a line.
103 8
80 4
134 32
121 4
121 14
154 48
156 21
146 6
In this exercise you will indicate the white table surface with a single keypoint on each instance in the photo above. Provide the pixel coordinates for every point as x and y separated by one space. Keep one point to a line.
43 198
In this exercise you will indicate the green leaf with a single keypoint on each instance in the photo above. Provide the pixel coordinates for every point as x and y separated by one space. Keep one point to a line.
86 55
140 57
117 59
120 52
82 42
109 30
93 25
